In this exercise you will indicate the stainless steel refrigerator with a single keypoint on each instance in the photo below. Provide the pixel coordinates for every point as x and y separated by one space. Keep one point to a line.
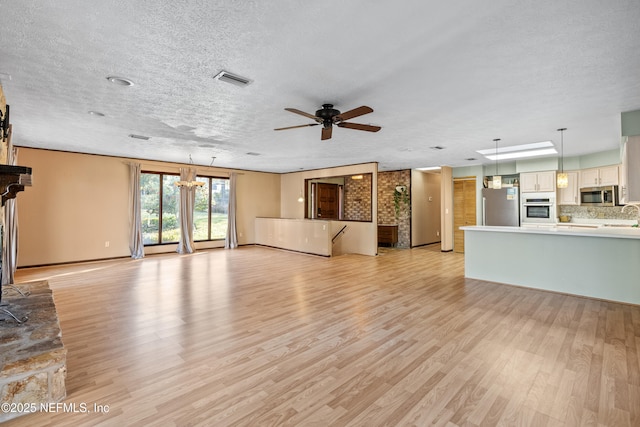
501 206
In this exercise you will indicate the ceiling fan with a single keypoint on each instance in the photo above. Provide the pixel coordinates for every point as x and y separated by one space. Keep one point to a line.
327 116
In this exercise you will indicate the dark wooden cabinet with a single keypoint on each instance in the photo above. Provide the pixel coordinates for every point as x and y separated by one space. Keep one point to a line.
387 235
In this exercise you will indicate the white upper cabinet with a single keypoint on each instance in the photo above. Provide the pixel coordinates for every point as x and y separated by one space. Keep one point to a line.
597 177
570 195
537 181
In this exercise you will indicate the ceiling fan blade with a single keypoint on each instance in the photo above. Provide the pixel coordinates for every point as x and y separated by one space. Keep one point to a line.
353 113
299 126
359 126
326 132
302 113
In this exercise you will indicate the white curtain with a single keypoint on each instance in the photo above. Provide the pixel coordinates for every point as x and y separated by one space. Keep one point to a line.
231 241
10 231
187 204
136 244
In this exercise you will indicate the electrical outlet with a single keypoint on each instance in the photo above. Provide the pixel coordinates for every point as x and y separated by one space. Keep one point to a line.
106 244
438 233
240 234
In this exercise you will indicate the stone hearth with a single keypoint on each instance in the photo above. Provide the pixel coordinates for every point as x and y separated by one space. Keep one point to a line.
32 357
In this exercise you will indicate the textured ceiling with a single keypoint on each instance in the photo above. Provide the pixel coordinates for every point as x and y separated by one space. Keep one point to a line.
451 74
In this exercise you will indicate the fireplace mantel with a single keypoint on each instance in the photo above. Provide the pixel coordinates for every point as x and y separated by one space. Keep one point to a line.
12 180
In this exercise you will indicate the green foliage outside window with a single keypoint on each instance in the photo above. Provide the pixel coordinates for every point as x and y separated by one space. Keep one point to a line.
210 213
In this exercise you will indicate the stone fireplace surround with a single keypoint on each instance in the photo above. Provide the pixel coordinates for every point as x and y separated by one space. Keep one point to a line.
32 356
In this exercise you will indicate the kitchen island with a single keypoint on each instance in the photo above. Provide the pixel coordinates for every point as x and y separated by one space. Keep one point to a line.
599 262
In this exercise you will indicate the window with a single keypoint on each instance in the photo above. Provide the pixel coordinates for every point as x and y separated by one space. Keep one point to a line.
160 208
211 211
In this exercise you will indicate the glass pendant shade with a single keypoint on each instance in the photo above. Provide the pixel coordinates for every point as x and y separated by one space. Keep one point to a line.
562 180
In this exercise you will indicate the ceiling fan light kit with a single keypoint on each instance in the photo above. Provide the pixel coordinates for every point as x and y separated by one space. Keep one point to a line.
328 116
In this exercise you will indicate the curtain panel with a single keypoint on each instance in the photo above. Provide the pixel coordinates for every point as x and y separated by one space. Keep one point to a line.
231 240
136 244
187 205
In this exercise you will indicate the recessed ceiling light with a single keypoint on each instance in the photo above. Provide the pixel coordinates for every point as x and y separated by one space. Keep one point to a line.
121 81
430 168
96 113
133 135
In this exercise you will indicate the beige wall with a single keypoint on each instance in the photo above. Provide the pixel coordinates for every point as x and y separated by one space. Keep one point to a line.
358 238
446 208
293 183
425 208
311 237
362 236
78 202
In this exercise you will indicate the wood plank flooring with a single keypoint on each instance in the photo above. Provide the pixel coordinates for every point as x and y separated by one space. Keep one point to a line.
262 337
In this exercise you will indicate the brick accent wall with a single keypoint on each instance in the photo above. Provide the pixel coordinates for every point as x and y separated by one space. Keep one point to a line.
357 198
387 182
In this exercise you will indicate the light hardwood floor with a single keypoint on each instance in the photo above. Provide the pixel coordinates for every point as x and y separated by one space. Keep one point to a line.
262 337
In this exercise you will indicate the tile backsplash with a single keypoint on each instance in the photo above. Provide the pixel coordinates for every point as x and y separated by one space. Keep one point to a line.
597 212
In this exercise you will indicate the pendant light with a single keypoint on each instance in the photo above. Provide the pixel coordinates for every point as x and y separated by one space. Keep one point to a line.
562 179
497 179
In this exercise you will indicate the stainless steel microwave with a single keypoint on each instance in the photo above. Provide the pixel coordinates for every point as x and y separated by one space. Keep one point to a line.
599 196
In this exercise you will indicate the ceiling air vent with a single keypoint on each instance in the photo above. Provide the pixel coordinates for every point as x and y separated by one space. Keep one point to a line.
134 136
437 147
225 76
251 153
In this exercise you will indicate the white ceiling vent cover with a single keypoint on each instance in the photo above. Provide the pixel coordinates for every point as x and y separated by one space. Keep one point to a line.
225 76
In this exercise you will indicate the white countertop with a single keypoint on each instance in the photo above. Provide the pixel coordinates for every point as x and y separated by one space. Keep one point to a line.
565 229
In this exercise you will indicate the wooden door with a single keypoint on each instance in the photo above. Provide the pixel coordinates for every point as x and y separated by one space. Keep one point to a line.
464 209
327 207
